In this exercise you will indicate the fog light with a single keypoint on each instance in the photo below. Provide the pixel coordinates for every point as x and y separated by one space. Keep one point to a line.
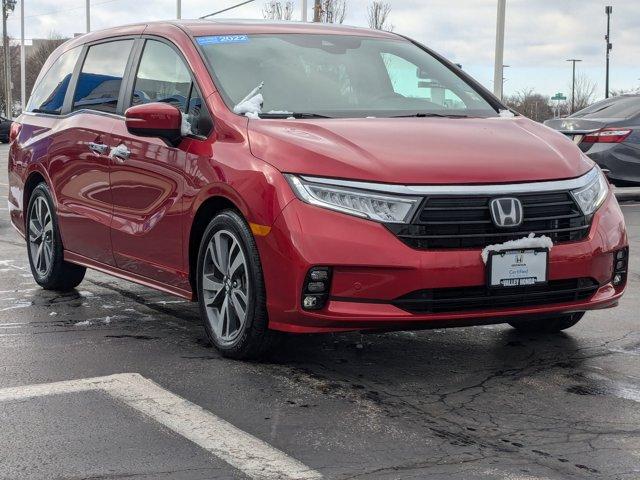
316 288
617 279
319 275
310 303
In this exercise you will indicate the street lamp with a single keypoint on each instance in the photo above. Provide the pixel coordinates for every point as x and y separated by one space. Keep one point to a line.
498 73
573 84
8 6
504 79
608 10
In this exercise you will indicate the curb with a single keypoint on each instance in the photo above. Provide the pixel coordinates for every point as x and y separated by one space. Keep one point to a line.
627 194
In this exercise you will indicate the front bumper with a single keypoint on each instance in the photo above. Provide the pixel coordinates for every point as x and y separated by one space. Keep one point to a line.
372 268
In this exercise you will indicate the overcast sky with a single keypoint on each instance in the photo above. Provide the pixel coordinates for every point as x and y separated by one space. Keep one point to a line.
540 36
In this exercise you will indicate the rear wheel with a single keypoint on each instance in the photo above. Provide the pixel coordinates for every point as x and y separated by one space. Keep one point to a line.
231 289
48 267
548 325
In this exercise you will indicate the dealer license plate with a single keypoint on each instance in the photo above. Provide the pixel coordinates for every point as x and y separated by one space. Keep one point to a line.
518 268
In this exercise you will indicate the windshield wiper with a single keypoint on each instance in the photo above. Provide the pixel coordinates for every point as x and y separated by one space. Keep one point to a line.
429 115
292 115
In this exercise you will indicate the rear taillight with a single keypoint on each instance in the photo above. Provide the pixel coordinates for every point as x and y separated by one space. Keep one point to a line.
14 131
607 135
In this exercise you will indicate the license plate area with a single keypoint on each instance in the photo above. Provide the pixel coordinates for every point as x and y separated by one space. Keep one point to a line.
518 268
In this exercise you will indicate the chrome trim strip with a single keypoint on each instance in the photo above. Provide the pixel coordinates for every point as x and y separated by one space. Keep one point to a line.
498 189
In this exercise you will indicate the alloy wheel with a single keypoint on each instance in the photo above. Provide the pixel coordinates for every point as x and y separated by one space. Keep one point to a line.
225 286
41 235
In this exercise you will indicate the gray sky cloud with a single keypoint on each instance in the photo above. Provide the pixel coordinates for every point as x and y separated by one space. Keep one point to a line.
541 34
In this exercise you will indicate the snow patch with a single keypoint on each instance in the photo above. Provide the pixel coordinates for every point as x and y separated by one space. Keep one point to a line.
522 243
503 114
251 105
185 127
86 323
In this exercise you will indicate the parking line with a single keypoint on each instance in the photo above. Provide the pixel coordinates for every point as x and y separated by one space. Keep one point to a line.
239 449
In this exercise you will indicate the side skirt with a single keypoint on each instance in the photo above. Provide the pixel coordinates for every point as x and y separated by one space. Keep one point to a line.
131 277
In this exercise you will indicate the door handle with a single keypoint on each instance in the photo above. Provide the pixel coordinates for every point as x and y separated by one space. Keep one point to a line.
120 153
99 148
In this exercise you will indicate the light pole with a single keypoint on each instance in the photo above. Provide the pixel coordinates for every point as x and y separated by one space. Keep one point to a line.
178 9
7 7
504 79
88 15
23 62
608 10
573 84
498 69
303 14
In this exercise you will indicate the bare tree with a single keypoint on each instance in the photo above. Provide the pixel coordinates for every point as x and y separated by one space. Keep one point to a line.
278 10
531 104
378 15
38 56
622 91
330 11
585 92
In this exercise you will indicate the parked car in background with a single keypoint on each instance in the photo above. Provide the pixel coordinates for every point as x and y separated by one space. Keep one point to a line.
306 178
609 133
5 127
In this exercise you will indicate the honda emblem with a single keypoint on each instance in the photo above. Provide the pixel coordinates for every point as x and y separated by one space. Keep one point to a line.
506 212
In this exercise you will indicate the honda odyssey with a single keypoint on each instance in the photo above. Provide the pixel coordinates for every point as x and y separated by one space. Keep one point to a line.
306 178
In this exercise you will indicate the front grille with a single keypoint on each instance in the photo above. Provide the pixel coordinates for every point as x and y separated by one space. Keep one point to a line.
445 222
447 300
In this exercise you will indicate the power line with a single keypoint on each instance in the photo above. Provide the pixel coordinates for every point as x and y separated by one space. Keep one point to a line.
55 12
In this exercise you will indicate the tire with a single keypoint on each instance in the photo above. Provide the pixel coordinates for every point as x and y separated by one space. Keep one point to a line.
44 245
548 325
230 282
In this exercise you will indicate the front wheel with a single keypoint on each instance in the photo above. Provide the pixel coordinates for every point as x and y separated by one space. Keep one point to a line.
548 325
48 267
231 289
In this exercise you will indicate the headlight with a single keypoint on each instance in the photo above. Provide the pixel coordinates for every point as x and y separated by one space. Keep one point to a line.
591 196
361 203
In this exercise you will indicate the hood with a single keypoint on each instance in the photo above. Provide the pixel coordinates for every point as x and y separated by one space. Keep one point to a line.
418 150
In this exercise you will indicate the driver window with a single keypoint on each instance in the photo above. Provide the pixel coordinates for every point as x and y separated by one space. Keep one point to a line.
162 77
408 80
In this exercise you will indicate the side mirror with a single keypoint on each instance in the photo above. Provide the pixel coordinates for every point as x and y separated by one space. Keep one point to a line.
155 120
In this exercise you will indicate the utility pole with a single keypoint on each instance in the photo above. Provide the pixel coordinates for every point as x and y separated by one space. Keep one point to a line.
304 11
88 14
178 9
498 69
573 84
608 10
7 7
23 62
504 79
317 11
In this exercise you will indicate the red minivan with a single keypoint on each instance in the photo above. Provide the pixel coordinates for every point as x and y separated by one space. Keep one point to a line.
306 178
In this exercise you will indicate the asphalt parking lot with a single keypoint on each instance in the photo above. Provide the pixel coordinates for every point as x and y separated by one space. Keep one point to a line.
115 380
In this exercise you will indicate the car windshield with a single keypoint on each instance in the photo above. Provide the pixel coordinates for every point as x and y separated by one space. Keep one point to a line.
337 76
616 107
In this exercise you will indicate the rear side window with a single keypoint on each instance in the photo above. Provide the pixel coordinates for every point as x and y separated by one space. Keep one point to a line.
163 77
101 76
48 94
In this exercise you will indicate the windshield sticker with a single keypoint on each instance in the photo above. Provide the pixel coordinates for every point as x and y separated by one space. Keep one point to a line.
222 39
